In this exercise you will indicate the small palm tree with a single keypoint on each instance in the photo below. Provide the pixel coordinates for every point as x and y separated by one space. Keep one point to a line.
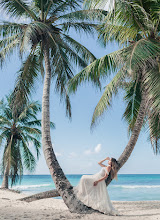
46 36
16 136
136 26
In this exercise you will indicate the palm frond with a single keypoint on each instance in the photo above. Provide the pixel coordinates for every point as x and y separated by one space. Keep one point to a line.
151 82
79 27
4 121
17 8
143 51
121 33
29 161
8 49
33 123
154 130
52 125
105 101
26 80
8 29
4 136
84 15
29 112
133 100
80 49
63 6
36 144
33 131
100 68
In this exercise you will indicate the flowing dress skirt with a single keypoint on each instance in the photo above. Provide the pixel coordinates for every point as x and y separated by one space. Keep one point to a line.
97 196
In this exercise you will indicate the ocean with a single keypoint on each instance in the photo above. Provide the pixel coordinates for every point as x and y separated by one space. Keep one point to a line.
129 187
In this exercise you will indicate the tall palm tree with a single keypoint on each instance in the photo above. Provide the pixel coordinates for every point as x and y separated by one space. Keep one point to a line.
136 26
16 136
46 36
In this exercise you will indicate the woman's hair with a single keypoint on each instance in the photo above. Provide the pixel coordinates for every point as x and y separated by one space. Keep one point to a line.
114 167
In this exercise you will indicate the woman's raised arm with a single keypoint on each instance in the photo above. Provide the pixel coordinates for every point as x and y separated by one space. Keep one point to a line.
100 162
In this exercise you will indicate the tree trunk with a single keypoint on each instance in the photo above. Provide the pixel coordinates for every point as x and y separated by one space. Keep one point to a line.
134 137
63 186
42 195
5 178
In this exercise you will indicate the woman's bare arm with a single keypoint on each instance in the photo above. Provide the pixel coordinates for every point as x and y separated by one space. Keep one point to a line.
103 178
100 162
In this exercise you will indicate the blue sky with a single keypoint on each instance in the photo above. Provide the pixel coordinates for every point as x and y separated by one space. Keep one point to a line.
78 149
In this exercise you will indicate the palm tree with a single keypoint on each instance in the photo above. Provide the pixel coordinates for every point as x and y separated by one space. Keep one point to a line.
46 36
134 25
17 134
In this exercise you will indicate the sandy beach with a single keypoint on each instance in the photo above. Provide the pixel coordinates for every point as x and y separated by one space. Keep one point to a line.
55 209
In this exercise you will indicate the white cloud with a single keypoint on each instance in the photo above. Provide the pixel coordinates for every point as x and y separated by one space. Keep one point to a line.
87 152
72 154
96 150
58 154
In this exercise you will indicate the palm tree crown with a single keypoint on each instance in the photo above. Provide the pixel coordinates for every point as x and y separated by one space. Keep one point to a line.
17 136
49 23
134 25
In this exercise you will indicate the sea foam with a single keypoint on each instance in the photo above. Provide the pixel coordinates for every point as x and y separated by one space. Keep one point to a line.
30 186
136 186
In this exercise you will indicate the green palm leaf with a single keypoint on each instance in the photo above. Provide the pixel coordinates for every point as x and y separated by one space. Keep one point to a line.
26 79
29 160
133 100
100 68
105 101
84 15
17 8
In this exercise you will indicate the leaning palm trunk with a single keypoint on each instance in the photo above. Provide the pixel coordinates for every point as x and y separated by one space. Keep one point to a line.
5 178
134 137
42 195
63 186
122 159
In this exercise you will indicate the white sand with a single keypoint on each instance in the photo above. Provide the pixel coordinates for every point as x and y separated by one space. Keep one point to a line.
55 209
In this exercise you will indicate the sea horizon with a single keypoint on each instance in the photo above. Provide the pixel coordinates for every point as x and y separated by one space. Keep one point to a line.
91 174
129 187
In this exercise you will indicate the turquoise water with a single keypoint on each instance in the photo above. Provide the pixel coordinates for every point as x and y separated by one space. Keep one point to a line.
129 187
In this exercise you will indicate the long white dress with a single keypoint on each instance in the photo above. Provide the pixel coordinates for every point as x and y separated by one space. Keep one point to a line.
97 196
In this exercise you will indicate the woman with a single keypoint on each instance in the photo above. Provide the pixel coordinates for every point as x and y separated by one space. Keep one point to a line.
92 190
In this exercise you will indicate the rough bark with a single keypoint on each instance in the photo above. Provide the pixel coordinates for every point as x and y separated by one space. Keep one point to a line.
43 195
134 137
5 178
63 186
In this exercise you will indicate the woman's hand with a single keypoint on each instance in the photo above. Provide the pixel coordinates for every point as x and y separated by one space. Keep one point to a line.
95 183
107 158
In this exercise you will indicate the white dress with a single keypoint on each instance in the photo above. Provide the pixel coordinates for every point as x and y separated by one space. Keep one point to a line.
97 196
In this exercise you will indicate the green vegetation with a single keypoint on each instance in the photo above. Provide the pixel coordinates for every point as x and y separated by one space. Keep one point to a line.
17 136
135 26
